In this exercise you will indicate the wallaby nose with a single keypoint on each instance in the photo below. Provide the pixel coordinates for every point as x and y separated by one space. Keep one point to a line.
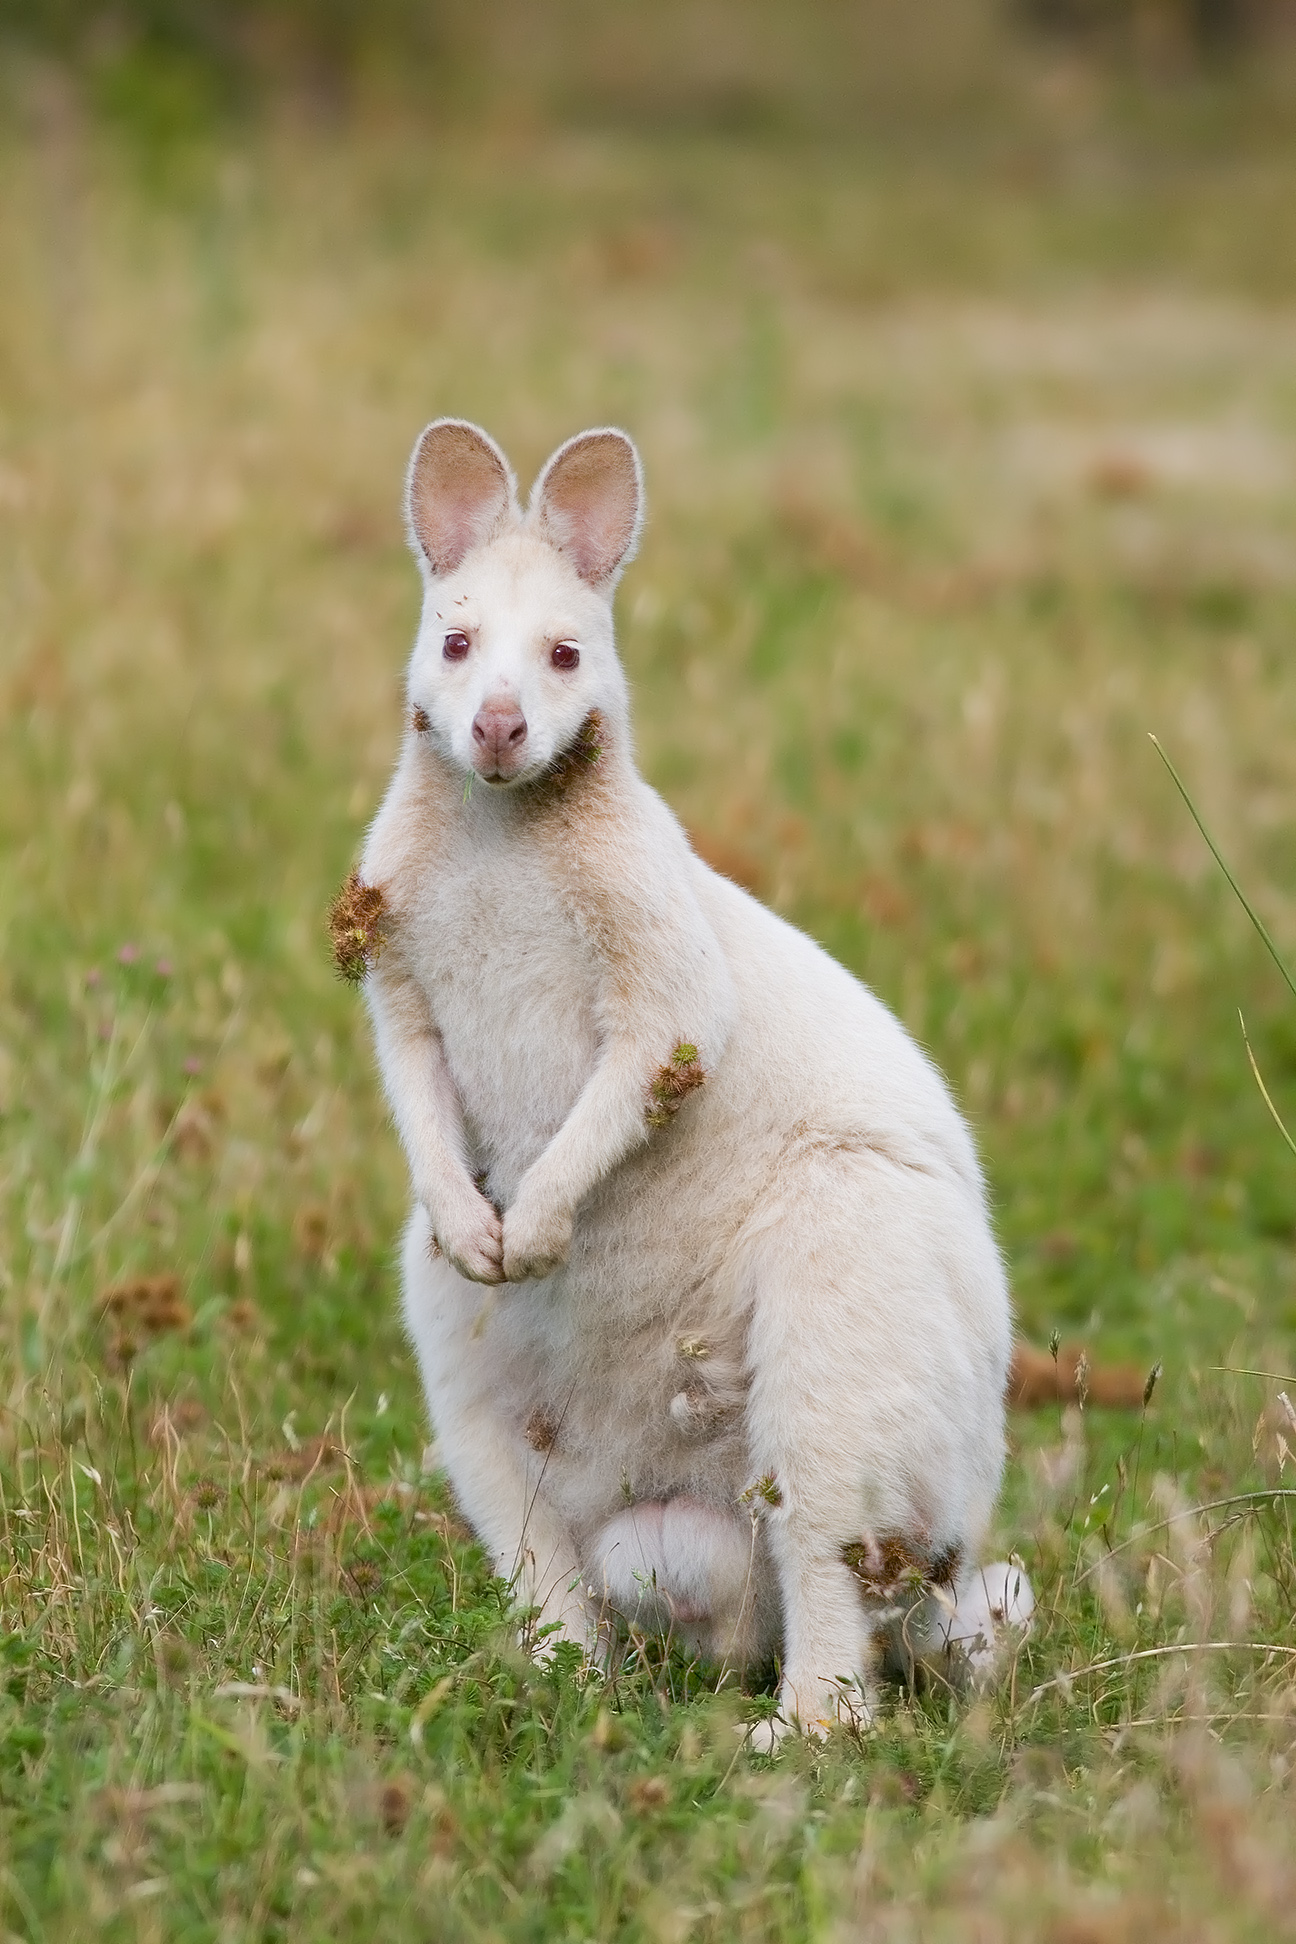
499 731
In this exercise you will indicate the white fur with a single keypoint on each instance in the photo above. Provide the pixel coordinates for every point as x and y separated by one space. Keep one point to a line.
746 1339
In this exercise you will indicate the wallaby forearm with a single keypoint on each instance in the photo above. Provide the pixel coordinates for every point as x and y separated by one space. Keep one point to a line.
425 1107
641 1080
417 1081
606 1124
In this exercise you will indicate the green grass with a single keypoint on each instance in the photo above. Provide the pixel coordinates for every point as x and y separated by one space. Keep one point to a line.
965 472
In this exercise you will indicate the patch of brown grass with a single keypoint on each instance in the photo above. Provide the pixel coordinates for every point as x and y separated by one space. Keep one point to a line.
152 1304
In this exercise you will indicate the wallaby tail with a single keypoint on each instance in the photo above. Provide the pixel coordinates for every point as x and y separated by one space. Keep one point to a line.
1037 1377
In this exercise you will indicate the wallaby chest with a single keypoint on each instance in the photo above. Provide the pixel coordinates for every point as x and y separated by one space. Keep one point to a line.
513 989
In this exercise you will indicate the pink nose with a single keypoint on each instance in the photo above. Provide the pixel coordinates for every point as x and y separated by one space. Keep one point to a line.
499 731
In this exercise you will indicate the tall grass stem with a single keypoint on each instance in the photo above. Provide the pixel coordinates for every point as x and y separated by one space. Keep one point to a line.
1240 894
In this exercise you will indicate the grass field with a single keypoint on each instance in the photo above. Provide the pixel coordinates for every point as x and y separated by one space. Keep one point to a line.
968 466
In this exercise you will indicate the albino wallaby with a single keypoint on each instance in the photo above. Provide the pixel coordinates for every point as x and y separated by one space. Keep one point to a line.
747 1379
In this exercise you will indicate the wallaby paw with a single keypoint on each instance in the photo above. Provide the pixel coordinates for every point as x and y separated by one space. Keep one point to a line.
848 1707
473 1244
765 1737
536 1241
768 1737
595 1656
541 1638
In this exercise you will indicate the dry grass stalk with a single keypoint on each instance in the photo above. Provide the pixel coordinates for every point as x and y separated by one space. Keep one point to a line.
305 1460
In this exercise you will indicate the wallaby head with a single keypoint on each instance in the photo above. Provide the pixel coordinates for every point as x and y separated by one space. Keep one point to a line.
515 649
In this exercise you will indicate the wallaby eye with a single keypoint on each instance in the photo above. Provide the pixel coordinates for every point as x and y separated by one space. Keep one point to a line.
456 645
566 655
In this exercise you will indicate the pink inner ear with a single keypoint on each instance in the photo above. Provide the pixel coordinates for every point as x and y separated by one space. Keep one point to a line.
459 492
590 504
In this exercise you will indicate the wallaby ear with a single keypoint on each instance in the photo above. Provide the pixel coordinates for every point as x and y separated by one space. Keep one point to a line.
588 502
458 492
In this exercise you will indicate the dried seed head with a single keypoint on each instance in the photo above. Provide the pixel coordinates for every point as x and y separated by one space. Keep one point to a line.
1153 1377
673 1083
395 1800
892 1566
151 1303
1082 1379
762 1491
581 755
1274 1438
649 1793
541 1431
364 1578
355 926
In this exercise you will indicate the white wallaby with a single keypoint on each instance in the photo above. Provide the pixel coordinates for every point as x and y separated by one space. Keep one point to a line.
747 1379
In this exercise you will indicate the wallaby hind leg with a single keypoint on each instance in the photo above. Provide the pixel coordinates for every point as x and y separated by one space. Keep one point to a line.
962 1637
828 1639
878 1347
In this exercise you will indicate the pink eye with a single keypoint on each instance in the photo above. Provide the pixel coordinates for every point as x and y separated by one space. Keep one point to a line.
456 645
566 655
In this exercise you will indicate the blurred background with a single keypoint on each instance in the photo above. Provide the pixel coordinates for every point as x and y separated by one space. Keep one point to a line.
828 67
958 339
